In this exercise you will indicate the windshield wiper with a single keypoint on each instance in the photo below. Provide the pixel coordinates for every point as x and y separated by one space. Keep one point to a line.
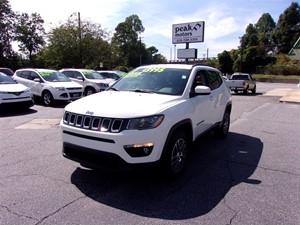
113 89
141 90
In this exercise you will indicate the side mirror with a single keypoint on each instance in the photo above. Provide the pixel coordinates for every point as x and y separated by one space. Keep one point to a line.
38 80
202 90
79 78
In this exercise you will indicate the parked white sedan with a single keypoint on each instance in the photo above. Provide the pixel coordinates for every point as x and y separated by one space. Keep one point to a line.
13 94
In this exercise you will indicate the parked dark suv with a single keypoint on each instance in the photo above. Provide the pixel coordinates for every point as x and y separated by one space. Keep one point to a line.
7 71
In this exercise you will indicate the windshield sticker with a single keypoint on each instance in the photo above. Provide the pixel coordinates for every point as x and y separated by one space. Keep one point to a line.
154 70
44 74
146 70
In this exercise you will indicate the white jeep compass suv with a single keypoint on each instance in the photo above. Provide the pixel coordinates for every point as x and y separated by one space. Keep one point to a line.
152 115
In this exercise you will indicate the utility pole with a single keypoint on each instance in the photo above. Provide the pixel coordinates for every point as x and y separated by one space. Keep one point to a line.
80 47
140 51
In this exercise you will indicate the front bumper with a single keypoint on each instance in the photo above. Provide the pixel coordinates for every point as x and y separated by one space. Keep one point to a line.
97 148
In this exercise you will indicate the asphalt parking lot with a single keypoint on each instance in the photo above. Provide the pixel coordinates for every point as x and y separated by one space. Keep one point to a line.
252 177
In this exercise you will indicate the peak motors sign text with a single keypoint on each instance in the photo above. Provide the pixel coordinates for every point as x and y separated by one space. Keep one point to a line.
188 32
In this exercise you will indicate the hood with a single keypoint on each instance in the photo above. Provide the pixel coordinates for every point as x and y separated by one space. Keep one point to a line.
97 81
122 104
13 87
70 84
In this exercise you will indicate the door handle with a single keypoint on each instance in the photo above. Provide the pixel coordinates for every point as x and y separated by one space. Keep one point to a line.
211 98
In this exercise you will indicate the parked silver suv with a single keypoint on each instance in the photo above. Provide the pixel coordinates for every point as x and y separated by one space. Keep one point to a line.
49 84
91 81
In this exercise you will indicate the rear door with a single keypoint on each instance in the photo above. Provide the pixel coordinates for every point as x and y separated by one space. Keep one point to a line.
216 108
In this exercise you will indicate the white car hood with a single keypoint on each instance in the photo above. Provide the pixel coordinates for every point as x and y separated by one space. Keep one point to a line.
12 87
70 84
97 81
122 104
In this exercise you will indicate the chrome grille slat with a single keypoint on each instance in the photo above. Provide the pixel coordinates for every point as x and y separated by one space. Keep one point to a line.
94 123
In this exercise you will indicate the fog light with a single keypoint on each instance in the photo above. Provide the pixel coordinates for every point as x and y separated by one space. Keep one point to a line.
139 150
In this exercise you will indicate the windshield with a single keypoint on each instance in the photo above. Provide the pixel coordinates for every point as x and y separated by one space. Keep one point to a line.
54 76
93 75
6 80
171 81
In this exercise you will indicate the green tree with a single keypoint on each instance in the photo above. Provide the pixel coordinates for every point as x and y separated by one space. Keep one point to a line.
6 32
225 62
30 33
126 45
287 30
77 44
265 26
250 38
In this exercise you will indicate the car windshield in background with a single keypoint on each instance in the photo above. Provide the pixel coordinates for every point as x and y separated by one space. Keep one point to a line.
93 75
6 80
171 81
53 76
240 77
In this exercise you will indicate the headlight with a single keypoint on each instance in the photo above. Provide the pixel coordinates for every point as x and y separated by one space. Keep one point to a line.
102 85
26 90
145 122
60 88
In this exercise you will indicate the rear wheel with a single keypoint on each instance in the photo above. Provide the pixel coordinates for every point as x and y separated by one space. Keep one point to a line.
47 98
246 90
254 90
175 157
223 130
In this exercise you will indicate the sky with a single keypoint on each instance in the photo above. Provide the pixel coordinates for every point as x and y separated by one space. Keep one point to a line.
225 21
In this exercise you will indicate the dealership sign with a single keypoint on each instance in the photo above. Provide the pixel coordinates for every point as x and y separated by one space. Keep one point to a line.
188 32
190 53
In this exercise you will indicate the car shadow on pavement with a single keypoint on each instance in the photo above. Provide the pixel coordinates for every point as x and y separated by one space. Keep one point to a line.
16 112
55 104
248 94
215 166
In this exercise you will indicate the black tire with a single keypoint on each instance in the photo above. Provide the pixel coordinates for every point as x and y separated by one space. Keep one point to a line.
47 98
223 130
246 90
89 91
175 154
254 90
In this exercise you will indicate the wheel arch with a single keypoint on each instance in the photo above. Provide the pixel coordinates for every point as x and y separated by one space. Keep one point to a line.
186 127
89 87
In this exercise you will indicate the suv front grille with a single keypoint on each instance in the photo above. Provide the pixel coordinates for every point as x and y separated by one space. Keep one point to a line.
95 123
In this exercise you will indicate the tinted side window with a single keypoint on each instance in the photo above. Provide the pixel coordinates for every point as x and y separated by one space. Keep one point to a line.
214 79
68 74
33 75
25 75
77 74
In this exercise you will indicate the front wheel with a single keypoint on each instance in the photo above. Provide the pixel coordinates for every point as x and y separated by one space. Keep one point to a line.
47 98
175 157
89 91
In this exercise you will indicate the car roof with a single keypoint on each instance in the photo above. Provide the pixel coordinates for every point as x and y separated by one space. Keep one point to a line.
69 69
